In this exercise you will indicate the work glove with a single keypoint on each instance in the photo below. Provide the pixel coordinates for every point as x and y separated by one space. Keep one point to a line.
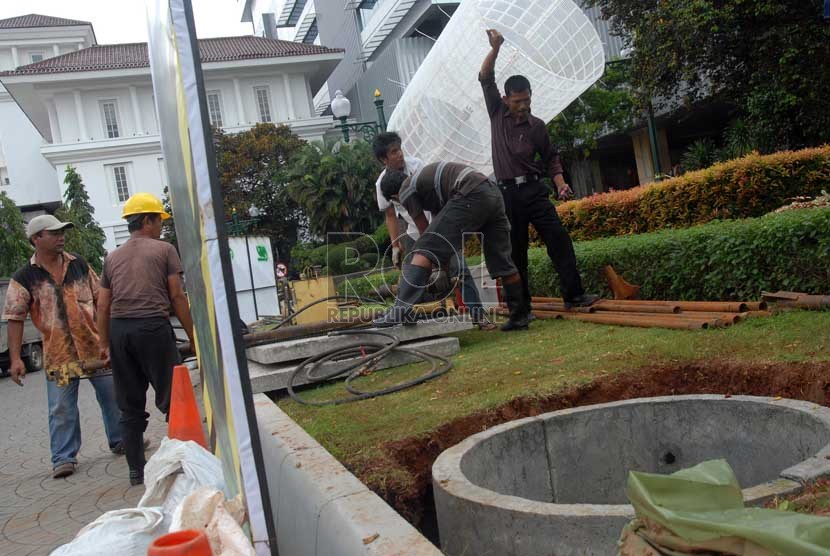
396 257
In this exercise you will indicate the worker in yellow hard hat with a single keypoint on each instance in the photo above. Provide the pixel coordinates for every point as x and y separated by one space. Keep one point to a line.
140 282
141 204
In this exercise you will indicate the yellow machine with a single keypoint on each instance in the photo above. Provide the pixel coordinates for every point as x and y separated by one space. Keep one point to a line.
308 289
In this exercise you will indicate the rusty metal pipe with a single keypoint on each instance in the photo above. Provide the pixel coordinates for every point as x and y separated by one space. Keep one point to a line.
706 306
535 299
541 315
634 307
701 306
641 320
705 317
625 318
756 305
650 321
712 319
561 307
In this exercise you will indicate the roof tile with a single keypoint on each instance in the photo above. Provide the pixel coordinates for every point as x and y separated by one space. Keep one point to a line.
37 20
134 55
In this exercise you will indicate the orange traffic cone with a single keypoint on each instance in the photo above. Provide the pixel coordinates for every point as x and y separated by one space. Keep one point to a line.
185 422
189 542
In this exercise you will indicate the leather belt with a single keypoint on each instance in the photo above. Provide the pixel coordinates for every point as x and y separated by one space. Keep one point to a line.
521 180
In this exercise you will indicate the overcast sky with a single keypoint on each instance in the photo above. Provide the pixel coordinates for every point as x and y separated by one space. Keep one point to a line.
126 21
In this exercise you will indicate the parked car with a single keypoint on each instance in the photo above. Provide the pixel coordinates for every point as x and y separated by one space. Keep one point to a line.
32 350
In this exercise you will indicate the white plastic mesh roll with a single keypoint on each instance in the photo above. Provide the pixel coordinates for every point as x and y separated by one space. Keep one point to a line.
442 115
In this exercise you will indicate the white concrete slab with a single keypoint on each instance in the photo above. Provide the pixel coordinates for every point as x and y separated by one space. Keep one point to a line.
303 348
266 378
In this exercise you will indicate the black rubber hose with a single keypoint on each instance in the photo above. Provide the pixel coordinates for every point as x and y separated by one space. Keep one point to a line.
438 366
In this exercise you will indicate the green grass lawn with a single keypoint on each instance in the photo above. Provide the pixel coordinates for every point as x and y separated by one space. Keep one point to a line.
493 368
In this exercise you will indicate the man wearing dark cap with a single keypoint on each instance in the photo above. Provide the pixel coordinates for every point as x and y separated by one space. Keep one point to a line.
522 156
140 283
60 291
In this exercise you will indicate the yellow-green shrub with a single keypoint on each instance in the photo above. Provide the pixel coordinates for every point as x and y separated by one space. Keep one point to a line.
741 188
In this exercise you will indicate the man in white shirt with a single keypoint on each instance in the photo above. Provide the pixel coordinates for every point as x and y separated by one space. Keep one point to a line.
387 148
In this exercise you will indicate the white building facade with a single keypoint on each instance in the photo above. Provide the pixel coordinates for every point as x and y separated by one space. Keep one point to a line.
96 111
25 175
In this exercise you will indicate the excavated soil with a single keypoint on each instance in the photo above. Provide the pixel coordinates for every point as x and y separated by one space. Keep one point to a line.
414 456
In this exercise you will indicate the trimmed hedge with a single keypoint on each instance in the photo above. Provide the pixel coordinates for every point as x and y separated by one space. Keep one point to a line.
724 260
741 188
361 253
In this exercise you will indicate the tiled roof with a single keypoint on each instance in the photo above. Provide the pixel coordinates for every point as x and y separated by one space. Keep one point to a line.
127 56
37 20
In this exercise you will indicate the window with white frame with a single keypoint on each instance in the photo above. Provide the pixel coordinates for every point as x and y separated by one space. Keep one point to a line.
36 56
109 115
121 186
263 103
214 101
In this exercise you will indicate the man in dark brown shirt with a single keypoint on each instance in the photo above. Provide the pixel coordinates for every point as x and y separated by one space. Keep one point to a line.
461 201
139 285
522 156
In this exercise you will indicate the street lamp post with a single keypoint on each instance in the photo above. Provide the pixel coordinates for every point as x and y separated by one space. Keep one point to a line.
341 107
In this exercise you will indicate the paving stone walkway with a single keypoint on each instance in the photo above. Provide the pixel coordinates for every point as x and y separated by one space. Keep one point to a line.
39 513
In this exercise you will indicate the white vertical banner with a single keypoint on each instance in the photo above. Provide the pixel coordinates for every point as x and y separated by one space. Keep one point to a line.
197 207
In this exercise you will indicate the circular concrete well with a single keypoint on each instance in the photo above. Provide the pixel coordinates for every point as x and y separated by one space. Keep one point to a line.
555 484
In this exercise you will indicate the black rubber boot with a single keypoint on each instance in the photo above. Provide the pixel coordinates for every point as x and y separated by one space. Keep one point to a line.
516 303
584 300
411 289
134 450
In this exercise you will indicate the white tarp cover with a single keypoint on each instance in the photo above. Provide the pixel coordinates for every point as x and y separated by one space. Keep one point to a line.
442 116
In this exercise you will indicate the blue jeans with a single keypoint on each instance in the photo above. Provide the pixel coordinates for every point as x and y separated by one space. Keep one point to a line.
65 422
469 293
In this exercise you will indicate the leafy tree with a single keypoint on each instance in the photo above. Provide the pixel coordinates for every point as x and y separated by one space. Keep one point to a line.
168 227
14 247
252 172
609 105
87 238
334 184
767 57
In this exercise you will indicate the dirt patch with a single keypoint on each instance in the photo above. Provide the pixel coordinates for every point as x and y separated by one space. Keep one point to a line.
415 456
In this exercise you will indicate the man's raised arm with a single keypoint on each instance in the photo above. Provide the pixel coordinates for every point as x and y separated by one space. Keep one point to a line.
487 74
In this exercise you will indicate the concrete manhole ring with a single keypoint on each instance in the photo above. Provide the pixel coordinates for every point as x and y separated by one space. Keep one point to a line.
554 483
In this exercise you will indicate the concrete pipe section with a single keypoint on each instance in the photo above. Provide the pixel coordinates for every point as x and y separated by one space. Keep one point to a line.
555 484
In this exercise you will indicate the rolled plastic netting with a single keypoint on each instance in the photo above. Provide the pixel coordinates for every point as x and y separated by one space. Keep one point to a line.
442 115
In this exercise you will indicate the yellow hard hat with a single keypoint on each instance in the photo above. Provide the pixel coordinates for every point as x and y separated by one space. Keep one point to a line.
144 203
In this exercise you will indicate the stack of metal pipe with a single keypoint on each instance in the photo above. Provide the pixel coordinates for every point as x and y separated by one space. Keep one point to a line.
685 315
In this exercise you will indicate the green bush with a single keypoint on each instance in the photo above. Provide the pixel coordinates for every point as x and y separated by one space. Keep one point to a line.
370 258
345 259
723 260
336 258
741 188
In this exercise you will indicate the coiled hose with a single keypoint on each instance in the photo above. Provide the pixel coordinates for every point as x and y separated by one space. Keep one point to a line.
370 353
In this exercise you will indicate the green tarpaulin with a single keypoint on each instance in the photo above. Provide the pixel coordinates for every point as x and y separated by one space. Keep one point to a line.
701 510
